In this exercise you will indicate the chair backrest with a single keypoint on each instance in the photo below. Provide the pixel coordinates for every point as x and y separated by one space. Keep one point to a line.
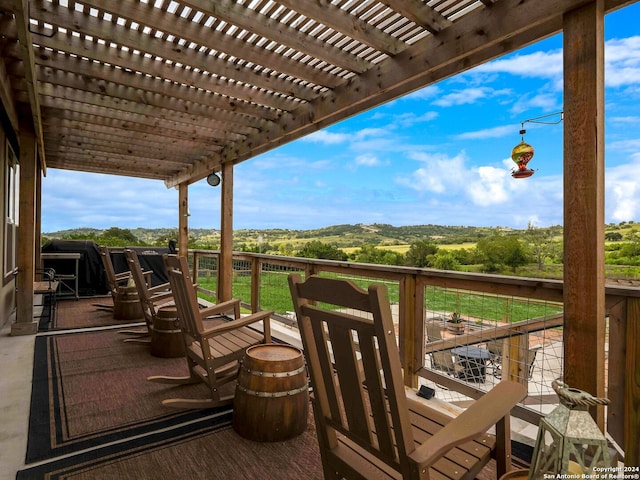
434 330
495 347
112 278
442 359
531 359
185 297
354 364
142 287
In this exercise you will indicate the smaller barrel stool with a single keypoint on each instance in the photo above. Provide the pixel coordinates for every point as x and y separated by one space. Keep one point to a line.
272 397
126 304
166 336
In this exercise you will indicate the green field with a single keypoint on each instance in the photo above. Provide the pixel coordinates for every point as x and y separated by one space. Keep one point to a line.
274 295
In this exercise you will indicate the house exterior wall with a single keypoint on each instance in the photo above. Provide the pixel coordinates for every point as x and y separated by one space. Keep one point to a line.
7 283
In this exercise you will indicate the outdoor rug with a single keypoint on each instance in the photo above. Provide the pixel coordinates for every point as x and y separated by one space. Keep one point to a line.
208 452
83 313
90 388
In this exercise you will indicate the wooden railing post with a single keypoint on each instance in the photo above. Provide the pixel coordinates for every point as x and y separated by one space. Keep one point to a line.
183 219
256 270
196 258
411 329
632 385
515 365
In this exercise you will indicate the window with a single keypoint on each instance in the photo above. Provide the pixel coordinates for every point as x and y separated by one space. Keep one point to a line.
12 203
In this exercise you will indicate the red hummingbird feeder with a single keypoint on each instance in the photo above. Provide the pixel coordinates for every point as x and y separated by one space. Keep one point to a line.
521 155
523 152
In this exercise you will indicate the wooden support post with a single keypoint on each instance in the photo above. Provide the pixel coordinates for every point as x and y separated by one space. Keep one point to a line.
25 324
411 332
183 219
584 200
225 264
37 231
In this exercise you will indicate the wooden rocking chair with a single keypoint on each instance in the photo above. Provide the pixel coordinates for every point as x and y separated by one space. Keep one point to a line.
151 298
118 285
367 426
212 354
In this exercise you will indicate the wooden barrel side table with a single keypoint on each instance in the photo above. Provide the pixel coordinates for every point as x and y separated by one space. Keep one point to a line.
272 395
166 336
126 305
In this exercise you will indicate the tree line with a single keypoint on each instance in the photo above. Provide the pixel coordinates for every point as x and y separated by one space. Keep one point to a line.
496 251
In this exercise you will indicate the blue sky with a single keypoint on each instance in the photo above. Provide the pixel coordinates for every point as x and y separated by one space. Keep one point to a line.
438 156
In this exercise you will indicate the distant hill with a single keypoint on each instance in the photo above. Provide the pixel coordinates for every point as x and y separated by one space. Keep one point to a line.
341 235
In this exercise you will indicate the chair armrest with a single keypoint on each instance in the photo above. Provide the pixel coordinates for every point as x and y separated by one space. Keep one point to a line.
159 288
222 307
161 297
475 420
122 276
240 322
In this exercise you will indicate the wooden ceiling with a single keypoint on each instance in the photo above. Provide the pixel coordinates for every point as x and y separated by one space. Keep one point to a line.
170 90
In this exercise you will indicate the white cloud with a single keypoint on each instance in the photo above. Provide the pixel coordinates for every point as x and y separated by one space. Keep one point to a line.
367 160
327 138
623 190
490 188
366 133
622 64
622 60
410 118
544 102
77 199
439 174
538 64
494 132
468 96
623 120
427 93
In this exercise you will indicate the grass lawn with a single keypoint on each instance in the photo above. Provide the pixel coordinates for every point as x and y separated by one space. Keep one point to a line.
274 295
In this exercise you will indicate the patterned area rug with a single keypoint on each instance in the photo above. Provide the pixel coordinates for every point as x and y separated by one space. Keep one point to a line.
208 452
90 388
87 312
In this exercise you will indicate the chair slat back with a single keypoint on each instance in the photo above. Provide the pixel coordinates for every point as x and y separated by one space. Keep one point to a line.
184 295
350 344
109 270
148 307
442 359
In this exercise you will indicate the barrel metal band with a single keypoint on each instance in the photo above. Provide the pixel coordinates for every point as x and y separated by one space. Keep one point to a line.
260 373
273 394
160 330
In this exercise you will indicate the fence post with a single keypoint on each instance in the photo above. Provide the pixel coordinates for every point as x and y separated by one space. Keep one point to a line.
515 364
196 274
256 271
411 329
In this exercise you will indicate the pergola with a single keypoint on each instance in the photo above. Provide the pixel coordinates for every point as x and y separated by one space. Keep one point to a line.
176 90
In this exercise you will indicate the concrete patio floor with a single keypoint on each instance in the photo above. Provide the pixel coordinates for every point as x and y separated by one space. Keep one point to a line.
16 369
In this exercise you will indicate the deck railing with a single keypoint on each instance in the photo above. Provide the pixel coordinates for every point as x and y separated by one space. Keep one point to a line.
521 315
